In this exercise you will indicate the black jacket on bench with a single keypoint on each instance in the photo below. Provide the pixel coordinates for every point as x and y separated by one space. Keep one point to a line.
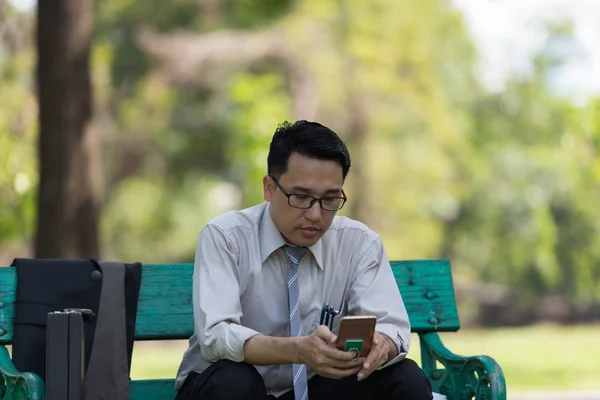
47 285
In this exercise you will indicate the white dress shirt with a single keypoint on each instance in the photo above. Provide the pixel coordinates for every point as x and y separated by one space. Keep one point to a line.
240 290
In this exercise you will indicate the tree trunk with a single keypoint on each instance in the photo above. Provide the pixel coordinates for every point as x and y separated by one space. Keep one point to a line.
69 164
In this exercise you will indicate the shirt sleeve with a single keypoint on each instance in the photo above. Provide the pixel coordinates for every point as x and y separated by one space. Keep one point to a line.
216 297
373 291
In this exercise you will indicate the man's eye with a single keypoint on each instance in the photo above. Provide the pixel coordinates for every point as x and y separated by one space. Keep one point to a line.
302 196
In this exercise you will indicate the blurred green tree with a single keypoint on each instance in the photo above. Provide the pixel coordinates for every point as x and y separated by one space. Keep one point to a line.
529 218
18 124
187 96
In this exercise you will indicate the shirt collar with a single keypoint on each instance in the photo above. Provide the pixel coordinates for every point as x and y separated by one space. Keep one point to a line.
270 239
317 252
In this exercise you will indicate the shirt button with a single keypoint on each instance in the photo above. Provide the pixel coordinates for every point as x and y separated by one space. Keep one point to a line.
96 275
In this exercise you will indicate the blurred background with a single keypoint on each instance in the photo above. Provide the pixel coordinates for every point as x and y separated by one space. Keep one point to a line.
474 128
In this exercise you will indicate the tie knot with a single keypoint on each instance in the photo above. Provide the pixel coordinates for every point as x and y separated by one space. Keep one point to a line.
295 254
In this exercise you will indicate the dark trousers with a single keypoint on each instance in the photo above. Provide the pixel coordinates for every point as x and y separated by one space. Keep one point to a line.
228 380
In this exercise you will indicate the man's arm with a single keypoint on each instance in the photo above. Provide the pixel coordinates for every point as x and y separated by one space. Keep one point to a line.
216 297
269 350
393 352
314 350
374 292
218 310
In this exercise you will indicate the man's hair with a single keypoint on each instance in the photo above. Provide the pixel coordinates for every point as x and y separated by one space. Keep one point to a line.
309 139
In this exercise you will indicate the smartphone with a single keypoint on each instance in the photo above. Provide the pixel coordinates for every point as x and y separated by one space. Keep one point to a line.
356 333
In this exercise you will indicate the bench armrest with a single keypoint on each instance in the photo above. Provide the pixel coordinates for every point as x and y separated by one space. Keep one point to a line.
461 378
15 385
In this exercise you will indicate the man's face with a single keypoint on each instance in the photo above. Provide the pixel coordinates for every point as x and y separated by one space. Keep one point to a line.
304 175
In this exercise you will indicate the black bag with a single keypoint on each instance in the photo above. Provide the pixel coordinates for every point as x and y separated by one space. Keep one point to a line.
48 285
45 286
65 354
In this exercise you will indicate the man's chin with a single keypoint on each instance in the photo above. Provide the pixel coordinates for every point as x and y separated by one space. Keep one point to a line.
303 240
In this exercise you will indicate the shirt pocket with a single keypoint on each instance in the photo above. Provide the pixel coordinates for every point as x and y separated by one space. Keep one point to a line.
335 328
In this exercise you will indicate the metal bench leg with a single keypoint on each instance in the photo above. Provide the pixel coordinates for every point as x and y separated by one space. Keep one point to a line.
461 378
15 385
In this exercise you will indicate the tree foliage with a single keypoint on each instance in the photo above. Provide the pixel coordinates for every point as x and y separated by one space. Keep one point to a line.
189 93
18 124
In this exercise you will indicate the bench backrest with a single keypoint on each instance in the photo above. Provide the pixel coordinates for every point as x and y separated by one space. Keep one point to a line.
165 302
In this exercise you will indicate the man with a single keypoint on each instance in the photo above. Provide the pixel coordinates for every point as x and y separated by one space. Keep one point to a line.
262 276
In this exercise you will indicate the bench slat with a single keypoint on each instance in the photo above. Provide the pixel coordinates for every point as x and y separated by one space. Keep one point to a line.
153 389
428 293
165 309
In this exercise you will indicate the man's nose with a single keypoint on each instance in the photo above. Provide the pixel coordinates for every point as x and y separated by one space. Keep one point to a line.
315 213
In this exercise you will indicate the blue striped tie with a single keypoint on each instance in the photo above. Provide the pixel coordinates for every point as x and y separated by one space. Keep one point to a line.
298 370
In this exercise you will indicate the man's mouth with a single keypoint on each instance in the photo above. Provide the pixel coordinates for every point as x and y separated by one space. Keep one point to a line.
310 232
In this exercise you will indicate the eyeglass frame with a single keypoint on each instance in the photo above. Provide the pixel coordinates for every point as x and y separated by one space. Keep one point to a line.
314 199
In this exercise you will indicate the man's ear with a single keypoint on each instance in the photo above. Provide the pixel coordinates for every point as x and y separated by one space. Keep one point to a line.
268 187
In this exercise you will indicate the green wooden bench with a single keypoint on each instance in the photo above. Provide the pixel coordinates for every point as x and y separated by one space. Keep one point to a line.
165 313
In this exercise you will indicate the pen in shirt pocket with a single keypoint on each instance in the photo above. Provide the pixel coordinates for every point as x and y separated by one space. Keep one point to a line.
333 314
328 313
323 312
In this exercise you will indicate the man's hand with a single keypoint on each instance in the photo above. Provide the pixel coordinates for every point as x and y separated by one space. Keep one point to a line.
316 352
381 352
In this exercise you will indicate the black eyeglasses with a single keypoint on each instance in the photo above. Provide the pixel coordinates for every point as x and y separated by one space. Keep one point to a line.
305 201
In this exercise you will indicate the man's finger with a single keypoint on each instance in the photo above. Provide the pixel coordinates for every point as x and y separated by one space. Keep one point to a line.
372 357
337 373
324 333
351 364
339 355
371 362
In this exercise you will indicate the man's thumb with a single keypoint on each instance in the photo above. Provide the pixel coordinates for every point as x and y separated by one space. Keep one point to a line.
324 333
333 339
